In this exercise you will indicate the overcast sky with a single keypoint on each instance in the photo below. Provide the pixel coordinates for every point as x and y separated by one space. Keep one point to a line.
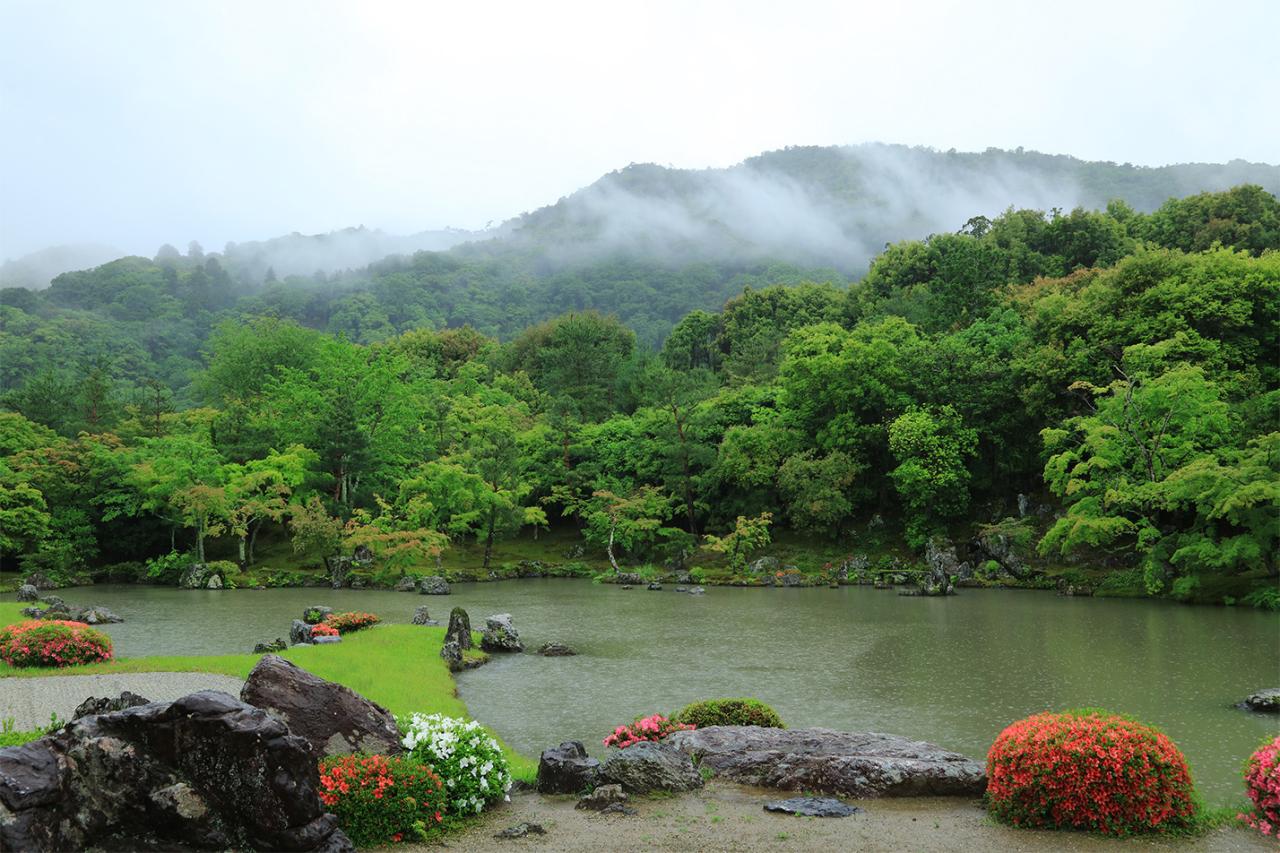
137 123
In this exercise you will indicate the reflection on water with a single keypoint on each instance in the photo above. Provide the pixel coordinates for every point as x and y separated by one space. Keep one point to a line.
953 671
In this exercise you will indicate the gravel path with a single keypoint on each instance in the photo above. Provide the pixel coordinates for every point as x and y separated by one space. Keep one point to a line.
727 817
30 701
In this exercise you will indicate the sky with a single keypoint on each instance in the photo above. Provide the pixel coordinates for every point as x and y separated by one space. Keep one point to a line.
135 123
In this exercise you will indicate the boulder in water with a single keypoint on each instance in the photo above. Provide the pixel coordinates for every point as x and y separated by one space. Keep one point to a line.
27 592
1267 701
433 585
500 635
422 617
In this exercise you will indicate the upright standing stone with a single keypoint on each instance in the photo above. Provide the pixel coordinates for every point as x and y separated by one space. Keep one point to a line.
500 635
459 630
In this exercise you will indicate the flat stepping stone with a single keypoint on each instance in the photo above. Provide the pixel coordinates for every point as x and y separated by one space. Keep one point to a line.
811 807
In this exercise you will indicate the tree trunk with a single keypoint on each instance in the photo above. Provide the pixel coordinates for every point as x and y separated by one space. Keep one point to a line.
200 544
488 541
173 538
253 538
244 547
609 549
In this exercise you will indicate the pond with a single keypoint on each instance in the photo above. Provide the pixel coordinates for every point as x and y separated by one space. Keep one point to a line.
953 671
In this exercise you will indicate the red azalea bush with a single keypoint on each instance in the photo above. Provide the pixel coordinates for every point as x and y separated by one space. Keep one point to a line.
655 728
1089 770
53 642
1262 782
348 622
323 630
379 799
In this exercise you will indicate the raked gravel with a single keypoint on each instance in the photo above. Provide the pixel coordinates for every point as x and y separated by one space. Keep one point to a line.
30 701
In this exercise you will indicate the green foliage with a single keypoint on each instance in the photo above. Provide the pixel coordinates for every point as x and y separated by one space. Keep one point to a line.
747 535
167 569
729 712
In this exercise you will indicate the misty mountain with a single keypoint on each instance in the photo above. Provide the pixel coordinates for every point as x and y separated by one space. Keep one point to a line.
36 270
836 206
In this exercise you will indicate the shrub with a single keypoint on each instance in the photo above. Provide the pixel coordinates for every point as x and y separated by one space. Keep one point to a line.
730 712
379 799
324 630
466 757
167 569
1262 783
654 728
53 643
348 622
1089 770
10 736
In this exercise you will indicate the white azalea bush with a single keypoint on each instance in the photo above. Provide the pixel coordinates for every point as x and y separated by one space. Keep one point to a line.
464 755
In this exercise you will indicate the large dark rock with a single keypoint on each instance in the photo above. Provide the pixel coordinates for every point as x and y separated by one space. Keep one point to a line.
405 584
811 807
315 614
629 579
1012 559
765 566
1267 701
555 650
451 654
857 764
339 570
647 766
602 798
40 581
206 772
276 645
27 592
500 635
433 585
95 615
195 576
334 719
567 769
459 630
107 705
299 632
421 616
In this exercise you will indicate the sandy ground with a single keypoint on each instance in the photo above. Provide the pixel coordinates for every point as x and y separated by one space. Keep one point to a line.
30 701
728 817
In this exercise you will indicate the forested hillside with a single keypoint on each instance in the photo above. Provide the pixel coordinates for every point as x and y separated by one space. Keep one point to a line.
1120 368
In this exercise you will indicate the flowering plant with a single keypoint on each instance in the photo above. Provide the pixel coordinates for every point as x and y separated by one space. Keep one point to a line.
320 629
654 727
54 642
1262 782
345 623
470 761
1088 770
379 799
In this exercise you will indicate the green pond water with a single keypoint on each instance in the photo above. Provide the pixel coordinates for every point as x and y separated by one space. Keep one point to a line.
953 671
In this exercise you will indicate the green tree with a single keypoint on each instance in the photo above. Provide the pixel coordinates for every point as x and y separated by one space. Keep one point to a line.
931 447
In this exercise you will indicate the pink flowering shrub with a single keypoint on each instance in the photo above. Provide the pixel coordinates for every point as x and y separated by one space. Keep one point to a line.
654 728
53 643
1262 782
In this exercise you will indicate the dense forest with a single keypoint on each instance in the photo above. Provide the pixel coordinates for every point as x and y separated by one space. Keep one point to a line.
1120 367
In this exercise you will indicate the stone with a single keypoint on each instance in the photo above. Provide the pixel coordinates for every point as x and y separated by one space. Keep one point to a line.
459 630
54 601
405 584
276 645
40 581
765 566
855 569
195 576
451 653
206 772
362 555
33 612
531 569
811 807
1001 548
792 578
520 830
325 640
698 590
648 766
299 633
555 650
215 582
500 635
1267 701
315 614
654 585
357 584
601 798
339 569
433 585
334 719
566 769
95 615
855 764
422 617
28 592
629 579
107 705
618 808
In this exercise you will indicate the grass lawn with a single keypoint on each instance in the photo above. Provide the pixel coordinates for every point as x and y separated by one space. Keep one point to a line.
397 666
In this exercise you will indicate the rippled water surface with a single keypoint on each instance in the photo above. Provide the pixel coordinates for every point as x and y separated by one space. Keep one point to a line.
953 671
